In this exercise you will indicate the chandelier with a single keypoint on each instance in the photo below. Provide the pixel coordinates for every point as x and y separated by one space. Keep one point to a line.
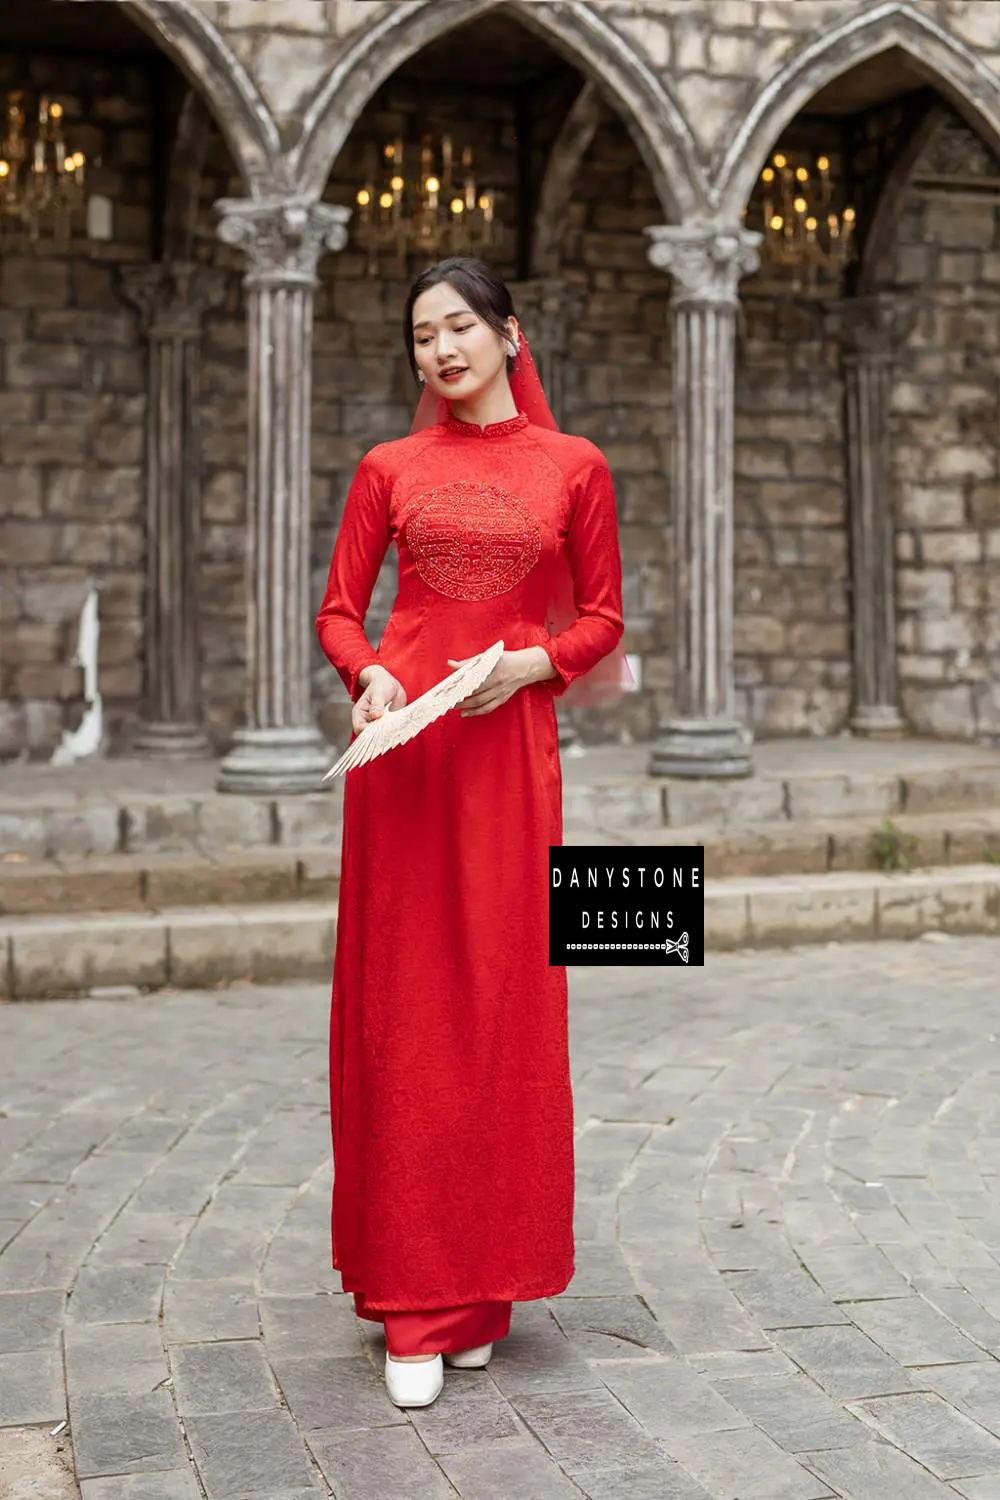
802 231
41 180
439 210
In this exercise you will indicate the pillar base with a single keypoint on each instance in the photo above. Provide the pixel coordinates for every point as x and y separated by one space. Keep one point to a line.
702 748
878 720
156 740
274 762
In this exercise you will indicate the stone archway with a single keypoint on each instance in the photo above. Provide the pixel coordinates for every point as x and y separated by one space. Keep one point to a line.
853 662
655 121
945 62
216 73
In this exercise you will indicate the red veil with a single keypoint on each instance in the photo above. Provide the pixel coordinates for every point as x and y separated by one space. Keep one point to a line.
605 683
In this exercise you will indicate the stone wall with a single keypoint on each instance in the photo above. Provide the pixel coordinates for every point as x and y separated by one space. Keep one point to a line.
618 394
946 441
72 406
793 670
223 593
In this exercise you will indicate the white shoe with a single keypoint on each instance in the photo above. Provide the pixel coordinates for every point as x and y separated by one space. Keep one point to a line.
414 1384
470 1359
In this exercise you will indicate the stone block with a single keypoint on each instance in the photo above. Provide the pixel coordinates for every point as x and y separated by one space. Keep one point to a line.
261 944
209 1310
42 365
34 281
784 912
31 1388
125 1434
944 711
384 1461
86 828
319 871
926 589
953 633
84 884
760 635
928 1429
117 1294
971 789
240 1453
845 1362
114 1358
723 804
772 1473
53 958
223 1377
966 901
221 879
311 819
227 822
20 489
30 1320
172 1484
727 919
838 796
318 1324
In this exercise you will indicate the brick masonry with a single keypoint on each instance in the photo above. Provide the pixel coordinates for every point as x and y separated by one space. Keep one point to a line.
73 379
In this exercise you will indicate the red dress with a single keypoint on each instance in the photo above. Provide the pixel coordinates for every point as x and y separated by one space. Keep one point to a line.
451 1107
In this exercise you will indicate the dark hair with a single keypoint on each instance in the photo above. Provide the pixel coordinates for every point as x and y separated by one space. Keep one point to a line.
483 289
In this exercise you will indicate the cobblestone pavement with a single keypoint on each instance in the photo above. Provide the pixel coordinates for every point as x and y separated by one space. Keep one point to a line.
788 1230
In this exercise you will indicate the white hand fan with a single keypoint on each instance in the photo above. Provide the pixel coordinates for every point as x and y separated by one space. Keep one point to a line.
398 725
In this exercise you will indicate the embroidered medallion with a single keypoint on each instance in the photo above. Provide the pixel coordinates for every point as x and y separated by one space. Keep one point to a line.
472 541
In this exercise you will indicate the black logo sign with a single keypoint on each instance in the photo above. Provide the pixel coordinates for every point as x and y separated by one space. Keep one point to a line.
626 905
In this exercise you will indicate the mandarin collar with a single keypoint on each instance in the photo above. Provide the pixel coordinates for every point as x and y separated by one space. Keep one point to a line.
491 430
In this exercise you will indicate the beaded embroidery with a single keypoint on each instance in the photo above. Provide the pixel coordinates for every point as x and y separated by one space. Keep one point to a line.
491 430
472 541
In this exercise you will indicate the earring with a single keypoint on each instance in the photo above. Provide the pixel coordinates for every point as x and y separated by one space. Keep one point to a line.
421 377
513 347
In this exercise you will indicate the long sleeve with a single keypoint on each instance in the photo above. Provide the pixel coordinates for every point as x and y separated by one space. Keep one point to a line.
362 542
594 559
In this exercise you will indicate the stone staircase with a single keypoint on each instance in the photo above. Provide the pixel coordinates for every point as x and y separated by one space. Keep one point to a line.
109 881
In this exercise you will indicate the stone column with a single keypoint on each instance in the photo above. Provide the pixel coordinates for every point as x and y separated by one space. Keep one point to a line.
706 262
280 749
173 298
871 329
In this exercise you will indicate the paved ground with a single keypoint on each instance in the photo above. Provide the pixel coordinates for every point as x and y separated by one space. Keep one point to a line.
788 1249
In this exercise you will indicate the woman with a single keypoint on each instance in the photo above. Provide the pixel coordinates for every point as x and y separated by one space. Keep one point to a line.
451 1107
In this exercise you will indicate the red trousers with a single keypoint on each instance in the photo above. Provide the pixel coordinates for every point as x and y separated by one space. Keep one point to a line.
442 1330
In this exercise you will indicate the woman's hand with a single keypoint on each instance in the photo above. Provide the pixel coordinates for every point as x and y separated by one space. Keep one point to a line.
514 670
382 693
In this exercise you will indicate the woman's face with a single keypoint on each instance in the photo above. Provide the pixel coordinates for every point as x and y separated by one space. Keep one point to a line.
458 355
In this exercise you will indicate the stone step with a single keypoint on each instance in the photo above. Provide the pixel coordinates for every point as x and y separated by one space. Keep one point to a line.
272 942
113 808
195 878
794 797
823 846
158 882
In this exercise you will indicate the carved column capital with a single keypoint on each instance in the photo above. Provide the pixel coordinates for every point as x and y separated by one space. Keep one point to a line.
173 296
283 237
873 327
706 260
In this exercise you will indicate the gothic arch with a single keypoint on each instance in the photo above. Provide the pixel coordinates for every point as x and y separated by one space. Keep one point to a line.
969 85
214 71
573 27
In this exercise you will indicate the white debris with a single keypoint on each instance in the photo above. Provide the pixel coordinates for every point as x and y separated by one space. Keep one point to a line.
86 740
